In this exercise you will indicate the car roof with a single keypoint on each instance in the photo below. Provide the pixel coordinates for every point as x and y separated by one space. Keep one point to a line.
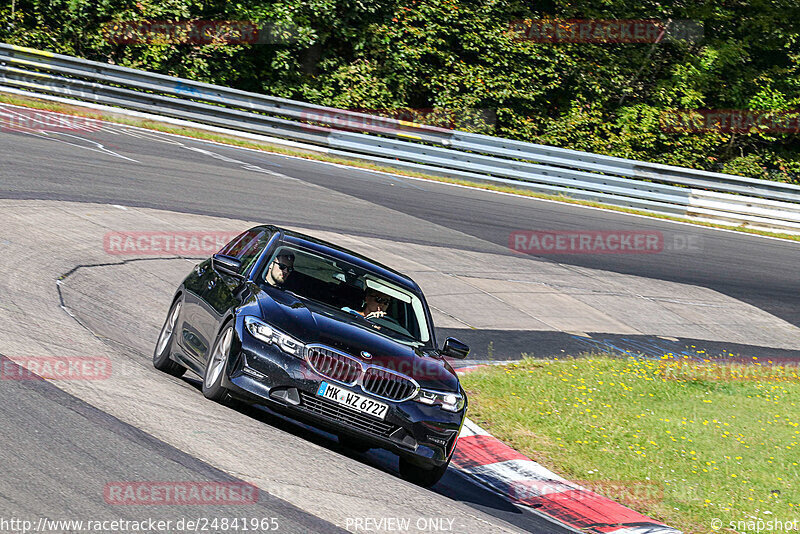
335 251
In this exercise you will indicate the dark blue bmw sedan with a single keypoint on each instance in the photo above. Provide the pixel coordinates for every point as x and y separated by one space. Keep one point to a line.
325 335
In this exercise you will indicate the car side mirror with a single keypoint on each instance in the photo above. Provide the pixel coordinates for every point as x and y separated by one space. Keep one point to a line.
227 264
455 349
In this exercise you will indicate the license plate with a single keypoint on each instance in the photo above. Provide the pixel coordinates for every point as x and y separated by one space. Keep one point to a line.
353 400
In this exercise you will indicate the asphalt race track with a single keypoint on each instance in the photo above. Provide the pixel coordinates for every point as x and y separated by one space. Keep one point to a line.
63 442
164 172
57 449
154 427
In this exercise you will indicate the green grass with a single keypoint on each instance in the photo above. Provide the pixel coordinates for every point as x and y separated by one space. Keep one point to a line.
278 149
680 441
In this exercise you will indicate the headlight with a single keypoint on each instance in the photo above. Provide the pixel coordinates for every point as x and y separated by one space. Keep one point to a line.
269 334
452 402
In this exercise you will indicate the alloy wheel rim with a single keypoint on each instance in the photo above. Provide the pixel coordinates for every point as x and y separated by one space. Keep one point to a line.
169 328
219 357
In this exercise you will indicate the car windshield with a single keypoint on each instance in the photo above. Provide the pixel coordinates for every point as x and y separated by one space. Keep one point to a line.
353 293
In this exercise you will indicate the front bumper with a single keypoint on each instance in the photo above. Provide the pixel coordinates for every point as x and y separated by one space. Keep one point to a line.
263 374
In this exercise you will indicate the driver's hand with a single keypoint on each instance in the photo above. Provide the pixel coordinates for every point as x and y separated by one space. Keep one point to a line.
375 315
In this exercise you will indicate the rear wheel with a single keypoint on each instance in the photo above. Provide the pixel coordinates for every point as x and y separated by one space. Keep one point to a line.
215 367
161 359
421 476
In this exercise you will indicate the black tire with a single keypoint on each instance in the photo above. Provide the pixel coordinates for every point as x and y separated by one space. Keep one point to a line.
353 443
421 476
216 364
161 355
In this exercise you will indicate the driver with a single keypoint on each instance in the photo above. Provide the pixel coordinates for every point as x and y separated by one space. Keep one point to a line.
375 304
280 269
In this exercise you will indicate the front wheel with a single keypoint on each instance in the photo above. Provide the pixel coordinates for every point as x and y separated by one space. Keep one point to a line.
161 359
215 367
421 476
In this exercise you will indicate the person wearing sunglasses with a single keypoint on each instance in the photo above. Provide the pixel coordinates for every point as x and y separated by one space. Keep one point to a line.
280 269
375 304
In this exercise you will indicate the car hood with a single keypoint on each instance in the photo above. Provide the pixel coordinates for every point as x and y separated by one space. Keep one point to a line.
310 323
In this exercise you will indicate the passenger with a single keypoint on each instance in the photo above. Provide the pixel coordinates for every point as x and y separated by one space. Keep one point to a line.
280 269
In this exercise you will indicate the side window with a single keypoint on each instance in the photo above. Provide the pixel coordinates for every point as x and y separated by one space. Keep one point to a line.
247 246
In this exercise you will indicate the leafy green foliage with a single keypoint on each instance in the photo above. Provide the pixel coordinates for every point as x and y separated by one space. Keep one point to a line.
460 56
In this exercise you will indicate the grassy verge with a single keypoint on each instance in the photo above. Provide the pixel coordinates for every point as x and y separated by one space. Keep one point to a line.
246 143
682 442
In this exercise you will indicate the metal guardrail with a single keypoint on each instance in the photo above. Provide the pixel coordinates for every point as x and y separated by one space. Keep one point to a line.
410 146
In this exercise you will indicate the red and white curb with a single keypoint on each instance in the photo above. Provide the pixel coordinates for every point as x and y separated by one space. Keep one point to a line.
491 462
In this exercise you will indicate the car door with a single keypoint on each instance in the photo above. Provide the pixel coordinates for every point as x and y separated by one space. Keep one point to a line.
222 291
192 339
